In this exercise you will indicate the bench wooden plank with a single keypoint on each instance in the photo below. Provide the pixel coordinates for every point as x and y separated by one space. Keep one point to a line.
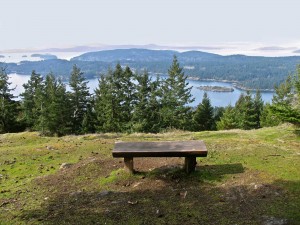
188 149
160 149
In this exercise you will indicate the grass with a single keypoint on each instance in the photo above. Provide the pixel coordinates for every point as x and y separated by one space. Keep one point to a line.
249 177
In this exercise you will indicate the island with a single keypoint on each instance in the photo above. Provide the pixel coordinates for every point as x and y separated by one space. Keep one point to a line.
24 56
2 56
44 56
216 88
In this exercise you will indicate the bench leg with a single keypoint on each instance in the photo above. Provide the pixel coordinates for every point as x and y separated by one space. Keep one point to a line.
189 164
128 161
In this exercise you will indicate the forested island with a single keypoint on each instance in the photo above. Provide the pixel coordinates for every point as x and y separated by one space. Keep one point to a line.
216 88
44 56
249 72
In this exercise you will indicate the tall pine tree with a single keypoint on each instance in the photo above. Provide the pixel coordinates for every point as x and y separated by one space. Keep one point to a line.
258 106
8 106
228 119
79 99
175 96
31 97
56 110
203 116
146 117
284 103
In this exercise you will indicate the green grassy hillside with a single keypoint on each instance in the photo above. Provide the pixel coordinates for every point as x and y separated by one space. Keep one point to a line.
249 177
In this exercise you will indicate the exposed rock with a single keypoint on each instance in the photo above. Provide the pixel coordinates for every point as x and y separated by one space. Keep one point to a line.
65 165
50 148
159 213
132 202
270 220
183 194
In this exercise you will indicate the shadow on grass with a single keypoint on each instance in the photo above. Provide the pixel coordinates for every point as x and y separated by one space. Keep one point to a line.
297 132
186 203
202 173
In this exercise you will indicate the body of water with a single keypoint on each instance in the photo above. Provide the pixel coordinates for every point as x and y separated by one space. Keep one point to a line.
18 57
217 98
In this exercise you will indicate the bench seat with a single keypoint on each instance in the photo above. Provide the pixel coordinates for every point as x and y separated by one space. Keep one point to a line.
188 149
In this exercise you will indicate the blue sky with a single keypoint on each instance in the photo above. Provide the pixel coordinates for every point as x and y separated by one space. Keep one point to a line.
230 25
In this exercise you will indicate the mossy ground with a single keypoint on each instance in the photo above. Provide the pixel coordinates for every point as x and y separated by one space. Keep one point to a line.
249 177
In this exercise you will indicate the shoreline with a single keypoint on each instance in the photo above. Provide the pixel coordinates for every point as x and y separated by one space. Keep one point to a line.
235 84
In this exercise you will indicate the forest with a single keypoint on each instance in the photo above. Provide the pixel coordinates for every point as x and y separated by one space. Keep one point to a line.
126 101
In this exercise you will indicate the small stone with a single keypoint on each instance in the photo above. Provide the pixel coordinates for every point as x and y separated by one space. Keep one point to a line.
136 184
132 202
274 221
49 147
159 213
183 194
65 165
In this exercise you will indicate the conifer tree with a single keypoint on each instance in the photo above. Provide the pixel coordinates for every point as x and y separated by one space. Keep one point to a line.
228 120
249 114
146 117
175 96
79 98
105 105
56 112
127 95
284 106
8 107
268 118
239 111
258 106
203 116
89 118
31 96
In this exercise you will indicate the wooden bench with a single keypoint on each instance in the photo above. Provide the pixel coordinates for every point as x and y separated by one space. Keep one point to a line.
188 149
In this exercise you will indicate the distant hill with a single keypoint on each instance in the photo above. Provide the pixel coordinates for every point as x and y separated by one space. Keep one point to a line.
254 72
144 55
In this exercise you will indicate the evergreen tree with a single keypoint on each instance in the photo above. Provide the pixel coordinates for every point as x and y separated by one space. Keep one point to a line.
258 106
127 95
31 99
228 120
249 114
79 97
146 117
8 107
105 105
115 99
56 112
268 118
175 96
203 116
218 113
245 112
239 111
284 106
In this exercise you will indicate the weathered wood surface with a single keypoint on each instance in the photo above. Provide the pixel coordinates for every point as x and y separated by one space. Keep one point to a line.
160 149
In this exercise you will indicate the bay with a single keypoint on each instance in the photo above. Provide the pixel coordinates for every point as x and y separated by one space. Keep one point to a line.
217 98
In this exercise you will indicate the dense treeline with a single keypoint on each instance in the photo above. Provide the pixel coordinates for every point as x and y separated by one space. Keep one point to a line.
125 101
